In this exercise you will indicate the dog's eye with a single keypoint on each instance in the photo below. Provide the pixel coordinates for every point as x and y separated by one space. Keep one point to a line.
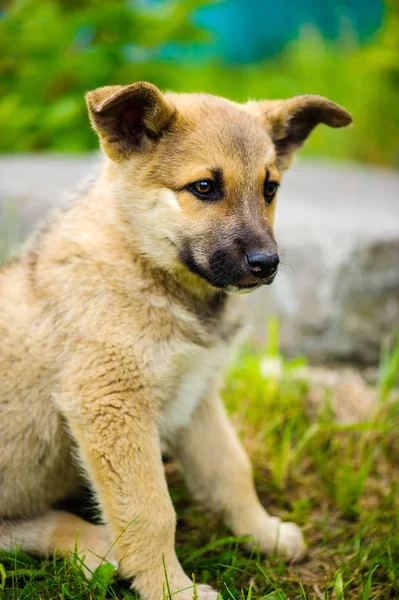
270 190
204 189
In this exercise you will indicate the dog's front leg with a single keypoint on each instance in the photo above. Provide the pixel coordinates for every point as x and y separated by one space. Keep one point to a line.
110 417
219 475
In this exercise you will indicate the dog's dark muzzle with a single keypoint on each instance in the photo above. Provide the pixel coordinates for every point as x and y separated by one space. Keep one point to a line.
251 269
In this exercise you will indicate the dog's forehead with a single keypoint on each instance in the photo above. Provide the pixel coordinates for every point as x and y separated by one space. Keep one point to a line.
216 128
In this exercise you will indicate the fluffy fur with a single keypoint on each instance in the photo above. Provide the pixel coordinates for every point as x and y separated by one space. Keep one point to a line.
117 320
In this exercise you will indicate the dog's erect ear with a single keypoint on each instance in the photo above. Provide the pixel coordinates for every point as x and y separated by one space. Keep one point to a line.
128 118
289 122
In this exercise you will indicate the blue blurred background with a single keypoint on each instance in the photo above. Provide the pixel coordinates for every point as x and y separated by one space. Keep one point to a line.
52 51
248 32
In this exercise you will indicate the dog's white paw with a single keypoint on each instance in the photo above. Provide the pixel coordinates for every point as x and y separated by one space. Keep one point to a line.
290 541
285 539
206 592
203 592
91 561
180 586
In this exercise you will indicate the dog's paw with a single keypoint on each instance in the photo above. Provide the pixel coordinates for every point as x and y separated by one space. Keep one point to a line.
285 539
206 592
203 592
290 541
90 562
178 584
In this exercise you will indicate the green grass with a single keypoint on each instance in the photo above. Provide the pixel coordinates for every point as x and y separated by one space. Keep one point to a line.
339 482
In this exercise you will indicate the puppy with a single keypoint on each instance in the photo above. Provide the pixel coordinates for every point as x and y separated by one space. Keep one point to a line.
118 318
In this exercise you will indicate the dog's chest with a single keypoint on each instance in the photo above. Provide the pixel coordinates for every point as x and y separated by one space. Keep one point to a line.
197 370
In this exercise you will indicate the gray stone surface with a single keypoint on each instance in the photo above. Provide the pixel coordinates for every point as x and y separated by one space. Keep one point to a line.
337 293
31 185
338 290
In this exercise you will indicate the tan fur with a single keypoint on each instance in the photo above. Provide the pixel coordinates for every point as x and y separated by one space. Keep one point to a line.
111 344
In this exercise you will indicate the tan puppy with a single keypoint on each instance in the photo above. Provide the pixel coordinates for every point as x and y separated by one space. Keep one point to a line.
117 319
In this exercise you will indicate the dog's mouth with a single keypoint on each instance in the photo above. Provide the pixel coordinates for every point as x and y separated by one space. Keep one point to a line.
228 275
251 283
225 282
249 287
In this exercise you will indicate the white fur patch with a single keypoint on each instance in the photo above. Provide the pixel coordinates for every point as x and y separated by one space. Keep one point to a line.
270 155
169 198
203 367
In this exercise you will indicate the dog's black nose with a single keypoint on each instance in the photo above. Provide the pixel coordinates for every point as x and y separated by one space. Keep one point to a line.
261 264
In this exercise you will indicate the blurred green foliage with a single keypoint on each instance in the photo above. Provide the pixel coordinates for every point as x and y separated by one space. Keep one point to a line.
52 51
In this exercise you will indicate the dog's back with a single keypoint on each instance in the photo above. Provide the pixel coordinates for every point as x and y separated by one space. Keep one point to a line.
35 457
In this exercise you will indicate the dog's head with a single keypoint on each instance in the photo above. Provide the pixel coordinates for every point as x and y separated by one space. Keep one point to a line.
197 176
